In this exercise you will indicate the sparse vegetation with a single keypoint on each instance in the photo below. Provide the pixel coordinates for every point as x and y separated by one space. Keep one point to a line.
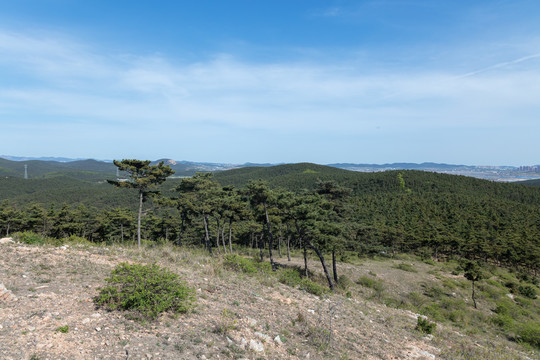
63 329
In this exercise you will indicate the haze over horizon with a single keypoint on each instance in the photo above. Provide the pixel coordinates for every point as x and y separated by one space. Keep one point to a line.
377 82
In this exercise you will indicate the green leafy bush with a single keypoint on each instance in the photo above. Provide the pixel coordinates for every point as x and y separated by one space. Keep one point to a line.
31 238
405 267
344 282
527 291
63 329
241 264
313 287
425 326
529 332
368 282
290 277
146 290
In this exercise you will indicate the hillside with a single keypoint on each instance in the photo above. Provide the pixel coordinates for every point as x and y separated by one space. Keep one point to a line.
63 189
306 175
48 310
535 182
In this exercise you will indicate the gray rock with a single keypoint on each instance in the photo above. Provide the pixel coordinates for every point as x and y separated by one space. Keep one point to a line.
256 345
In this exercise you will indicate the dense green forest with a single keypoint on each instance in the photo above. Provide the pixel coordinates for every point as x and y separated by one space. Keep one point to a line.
332 212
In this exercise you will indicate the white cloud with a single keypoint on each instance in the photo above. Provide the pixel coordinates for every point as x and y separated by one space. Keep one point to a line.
64 80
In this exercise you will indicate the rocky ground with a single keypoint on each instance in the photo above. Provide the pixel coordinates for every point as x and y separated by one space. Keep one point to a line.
47 312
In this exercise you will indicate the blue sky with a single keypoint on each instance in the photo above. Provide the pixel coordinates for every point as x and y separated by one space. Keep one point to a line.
272 81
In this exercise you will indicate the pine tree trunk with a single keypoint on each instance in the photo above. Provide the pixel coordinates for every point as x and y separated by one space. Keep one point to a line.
122 233
218 247
139 219
325 268
223 238
270 237
230 235
334 266
280 240
306 271
260 242
289 247
473 297
207 235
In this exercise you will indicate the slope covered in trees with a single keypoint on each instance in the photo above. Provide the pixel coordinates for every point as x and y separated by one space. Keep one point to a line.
432 214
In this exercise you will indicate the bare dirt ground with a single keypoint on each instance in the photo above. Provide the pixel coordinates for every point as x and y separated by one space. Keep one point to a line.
48 313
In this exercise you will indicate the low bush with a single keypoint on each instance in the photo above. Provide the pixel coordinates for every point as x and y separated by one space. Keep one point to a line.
145 290
344 282
239 263
290 277
405 267
529 332
368 282
313 287
31 238
425 326
527 291
247 266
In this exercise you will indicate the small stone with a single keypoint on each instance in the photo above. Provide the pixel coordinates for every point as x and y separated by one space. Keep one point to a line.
6 240
96 315
229 341
278 341
5 294
98 329
311 311
148 356
86 321
256 345
252 322
262 336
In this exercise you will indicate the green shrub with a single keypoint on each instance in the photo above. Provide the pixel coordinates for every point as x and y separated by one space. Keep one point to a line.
145 290
425 326
32 238
527 291
344 282
313 287
433 310
529 332
290 277
416 299
405 267
240 264
63 329
434 292
504 321
368 282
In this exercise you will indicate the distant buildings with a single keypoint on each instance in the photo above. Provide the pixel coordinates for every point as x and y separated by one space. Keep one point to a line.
535 168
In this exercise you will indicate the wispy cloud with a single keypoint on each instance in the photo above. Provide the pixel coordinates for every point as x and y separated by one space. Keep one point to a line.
95 90
501 65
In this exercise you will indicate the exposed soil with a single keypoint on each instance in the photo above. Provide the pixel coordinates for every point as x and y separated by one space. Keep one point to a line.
237 316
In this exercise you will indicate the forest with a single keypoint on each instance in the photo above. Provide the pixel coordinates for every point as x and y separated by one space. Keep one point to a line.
328 212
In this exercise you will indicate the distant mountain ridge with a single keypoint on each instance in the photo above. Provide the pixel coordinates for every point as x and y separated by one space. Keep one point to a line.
49 166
